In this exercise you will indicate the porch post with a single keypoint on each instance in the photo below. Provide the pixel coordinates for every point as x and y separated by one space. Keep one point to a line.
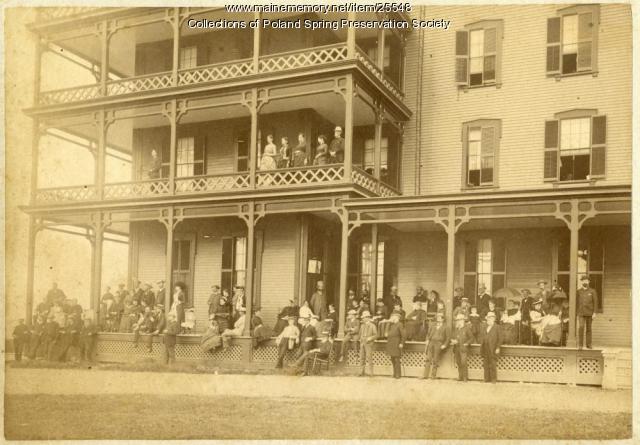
351 37
374 267
253 144
31 255
451 248
344 257
96 262
380 58
377 155
101 155
175 22
574 228
169 223
348 128
256 44
248 285
173 118
104 57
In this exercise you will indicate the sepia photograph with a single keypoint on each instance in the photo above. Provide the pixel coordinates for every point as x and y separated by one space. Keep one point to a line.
342 221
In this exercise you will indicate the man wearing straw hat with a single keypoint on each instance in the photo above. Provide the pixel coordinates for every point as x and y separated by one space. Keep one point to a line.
368 334
287 340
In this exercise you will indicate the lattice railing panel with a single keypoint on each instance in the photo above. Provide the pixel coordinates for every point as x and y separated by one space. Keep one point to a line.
136 84
589 366
66 194
523 364
300 176
317 56
364 180
378 73
193 351
136 189
267 354
212 73
127 348
212 183
85 92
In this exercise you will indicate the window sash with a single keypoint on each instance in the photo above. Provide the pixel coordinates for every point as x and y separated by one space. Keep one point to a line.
188 57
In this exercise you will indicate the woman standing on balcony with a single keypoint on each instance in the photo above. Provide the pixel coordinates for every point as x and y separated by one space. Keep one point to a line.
322 151
268 161
300 152
284 158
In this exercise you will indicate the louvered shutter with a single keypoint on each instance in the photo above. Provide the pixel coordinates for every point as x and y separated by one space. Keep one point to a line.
490 52
585 45
488 144
598 145
551 142
462 57
553 45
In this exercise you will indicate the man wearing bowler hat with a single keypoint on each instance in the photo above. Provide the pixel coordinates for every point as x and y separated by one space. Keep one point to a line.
336 149
368 335
395 343
437 342
586 310
490 348
461 340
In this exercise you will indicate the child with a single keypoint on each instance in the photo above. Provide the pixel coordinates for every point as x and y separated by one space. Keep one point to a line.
474 322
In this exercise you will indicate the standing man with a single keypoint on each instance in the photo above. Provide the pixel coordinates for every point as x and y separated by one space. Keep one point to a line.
156 165
458 295
214 299
88 340
483 301
160 295
237 301
490 348
336 149
318 301
392 299
20 339
421 295
368 334
55 294
544 294
169 339
123 294
148 296
526 305
437 341
461 340
395 344
586 311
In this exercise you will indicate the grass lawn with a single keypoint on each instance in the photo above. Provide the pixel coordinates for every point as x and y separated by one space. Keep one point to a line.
44 417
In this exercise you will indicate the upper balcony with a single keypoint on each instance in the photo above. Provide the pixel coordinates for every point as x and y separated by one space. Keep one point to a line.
221 146
154 52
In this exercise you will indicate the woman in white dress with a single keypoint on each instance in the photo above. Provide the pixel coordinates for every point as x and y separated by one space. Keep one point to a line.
268 161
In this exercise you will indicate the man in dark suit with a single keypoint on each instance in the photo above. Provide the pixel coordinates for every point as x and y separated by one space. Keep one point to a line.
307 339
395 343
160 295
586 310
483 301
461 340
490 341
21 335
525 313
437 342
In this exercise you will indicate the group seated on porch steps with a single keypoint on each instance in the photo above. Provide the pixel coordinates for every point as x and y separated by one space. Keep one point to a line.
62 330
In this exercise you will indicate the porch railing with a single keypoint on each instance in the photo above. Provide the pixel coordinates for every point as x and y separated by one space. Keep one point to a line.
213 183
66 194
321 174
137 189
282 178
291 60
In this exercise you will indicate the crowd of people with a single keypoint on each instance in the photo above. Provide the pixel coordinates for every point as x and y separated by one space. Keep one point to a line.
308 330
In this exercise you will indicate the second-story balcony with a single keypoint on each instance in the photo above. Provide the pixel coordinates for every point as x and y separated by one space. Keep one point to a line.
127 57
302 140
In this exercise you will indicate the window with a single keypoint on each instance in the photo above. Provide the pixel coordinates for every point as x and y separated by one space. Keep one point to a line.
234 261
575 146
190 157
242 153
369 155
365 270
572 40
484 264
372 52
188 57
182 265
478 51
480 140
590 262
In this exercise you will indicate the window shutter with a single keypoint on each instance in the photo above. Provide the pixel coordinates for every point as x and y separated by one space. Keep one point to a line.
598 145
551 142
553 45
462 57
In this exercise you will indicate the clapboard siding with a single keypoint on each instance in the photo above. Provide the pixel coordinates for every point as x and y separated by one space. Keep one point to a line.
526 99
151 252
278 265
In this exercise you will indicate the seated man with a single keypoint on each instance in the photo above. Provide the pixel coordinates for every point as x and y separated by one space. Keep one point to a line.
287 340
322 351
238 329
415 323
351 330
260 332
146 325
